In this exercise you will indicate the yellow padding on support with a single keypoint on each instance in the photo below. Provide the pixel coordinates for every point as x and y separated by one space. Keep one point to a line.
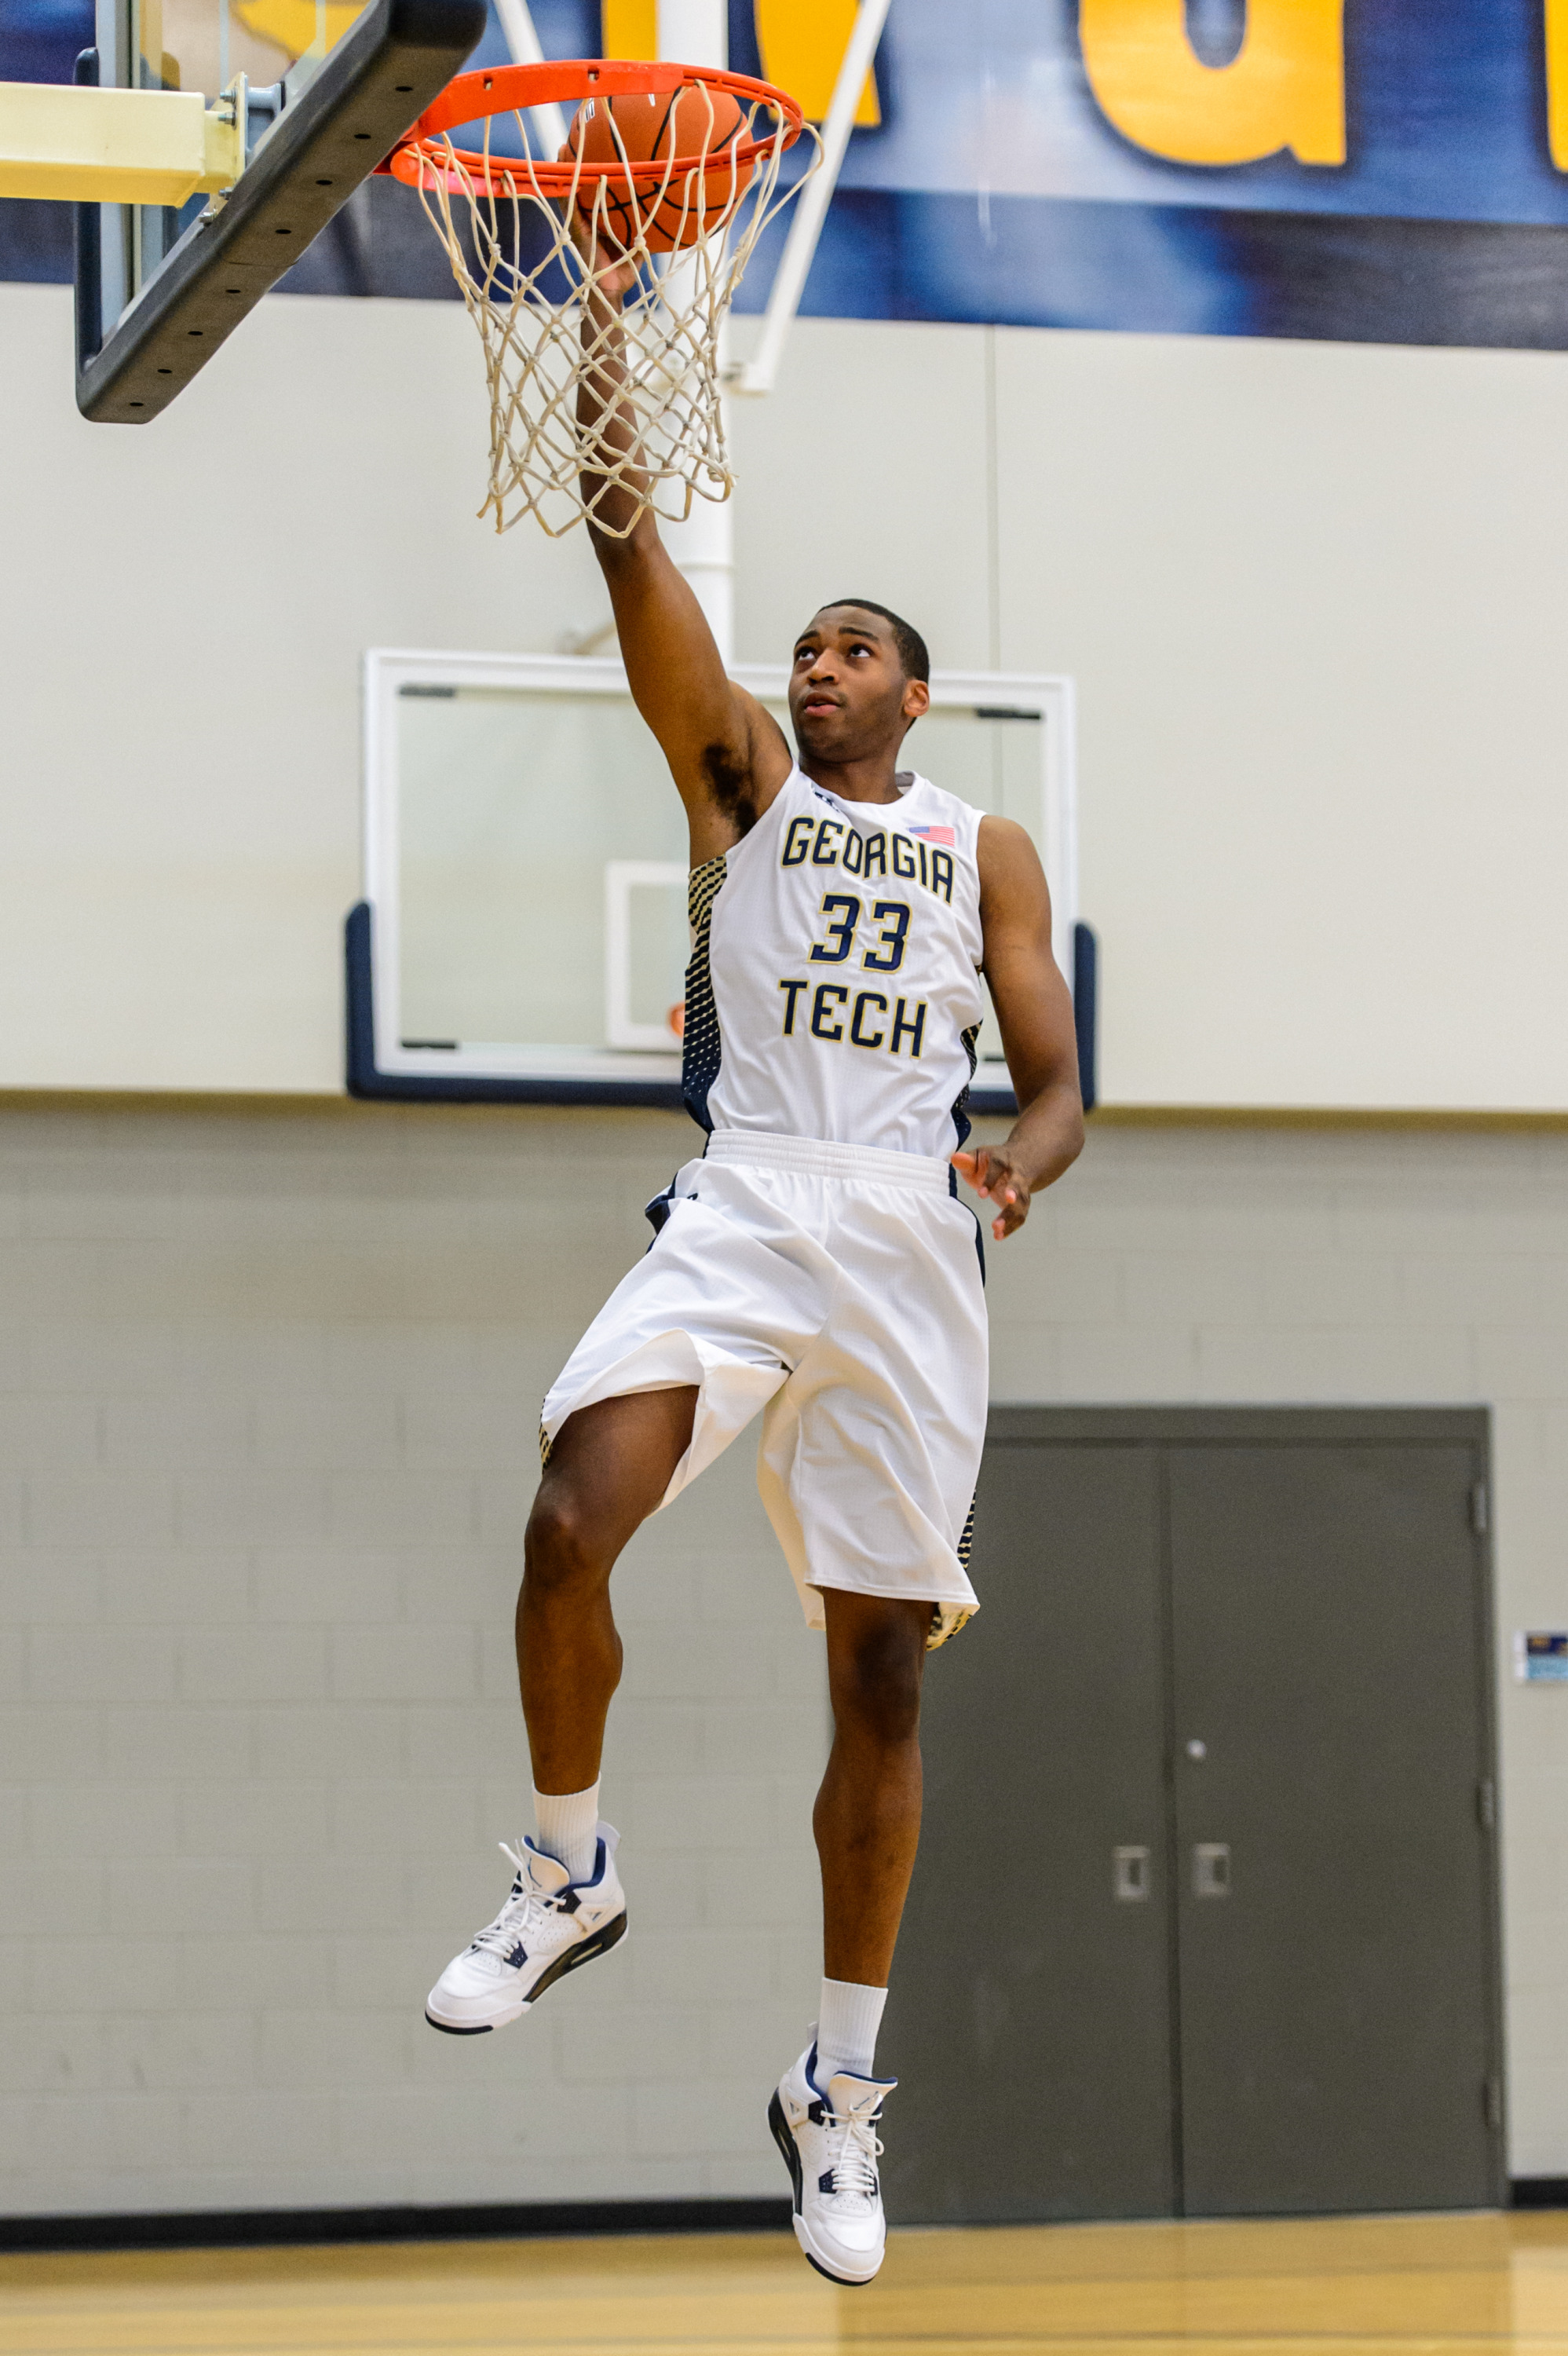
68 141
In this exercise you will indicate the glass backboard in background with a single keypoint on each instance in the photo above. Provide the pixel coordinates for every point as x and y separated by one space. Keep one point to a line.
514 806
526 852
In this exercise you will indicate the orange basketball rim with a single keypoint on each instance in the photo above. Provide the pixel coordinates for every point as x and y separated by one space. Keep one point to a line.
672 169
426 157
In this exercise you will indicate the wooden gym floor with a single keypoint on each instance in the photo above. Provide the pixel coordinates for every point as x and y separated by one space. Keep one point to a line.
1340 2286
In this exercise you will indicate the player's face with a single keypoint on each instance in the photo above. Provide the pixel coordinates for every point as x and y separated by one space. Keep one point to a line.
848 698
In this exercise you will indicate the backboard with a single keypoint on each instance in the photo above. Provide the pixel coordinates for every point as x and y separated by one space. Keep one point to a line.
316 91
523 933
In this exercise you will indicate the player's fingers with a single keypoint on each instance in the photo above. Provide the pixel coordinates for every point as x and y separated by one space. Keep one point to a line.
1012 1201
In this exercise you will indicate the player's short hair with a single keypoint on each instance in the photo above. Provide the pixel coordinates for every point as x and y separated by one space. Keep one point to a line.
911 647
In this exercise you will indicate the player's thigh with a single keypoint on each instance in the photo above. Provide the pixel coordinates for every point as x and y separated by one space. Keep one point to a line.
610 1467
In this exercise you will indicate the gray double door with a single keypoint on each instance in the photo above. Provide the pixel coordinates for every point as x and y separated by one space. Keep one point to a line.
1204 1920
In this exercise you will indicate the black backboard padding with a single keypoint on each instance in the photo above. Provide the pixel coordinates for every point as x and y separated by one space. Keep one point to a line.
380 242
89 244
364 1080
1086 1011
385 71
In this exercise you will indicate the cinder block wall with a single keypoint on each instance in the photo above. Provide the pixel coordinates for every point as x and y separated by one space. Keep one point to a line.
268 1435
268 1390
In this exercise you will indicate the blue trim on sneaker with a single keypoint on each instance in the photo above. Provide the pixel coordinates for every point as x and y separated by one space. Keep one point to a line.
601 1859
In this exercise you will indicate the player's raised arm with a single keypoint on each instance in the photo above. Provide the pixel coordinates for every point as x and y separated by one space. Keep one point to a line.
1034 1010
727 755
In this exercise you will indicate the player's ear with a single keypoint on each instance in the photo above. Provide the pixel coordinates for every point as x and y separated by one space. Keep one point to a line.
917 699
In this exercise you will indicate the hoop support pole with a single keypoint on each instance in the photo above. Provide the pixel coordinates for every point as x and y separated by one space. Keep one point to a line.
759 373
697 32
694 32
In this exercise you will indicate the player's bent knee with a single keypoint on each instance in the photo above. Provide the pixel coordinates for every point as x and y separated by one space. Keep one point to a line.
875 1676
562 1550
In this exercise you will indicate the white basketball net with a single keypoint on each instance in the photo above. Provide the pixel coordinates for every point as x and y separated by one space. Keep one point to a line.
665 334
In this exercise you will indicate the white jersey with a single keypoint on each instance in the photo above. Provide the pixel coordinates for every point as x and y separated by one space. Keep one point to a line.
833 990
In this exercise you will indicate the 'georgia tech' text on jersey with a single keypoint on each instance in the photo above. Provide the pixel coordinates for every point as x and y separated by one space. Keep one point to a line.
833 990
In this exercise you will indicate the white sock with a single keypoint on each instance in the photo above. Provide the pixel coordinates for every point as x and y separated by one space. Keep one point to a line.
566 1825
846 2029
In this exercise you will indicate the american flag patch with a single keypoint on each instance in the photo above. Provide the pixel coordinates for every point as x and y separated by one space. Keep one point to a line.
934 833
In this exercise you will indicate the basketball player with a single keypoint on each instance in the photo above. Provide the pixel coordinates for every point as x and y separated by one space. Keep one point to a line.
812 1263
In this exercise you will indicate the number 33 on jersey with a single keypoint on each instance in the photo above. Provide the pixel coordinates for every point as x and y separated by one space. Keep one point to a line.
833 990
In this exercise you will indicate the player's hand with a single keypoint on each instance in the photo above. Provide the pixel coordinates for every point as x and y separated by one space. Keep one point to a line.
610 274
995 1172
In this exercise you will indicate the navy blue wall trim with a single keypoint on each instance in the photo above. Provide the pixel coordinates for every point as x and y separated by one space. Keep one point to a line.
1539 2192
209 2228
212 2229
364 1080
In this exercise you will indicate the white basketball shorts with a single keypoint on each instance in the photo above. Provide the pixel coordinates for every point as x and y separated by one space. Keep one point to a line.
839 1290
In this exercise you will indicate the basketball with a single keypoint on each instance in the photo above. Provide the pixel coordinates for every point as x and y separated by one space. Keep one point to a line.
649 128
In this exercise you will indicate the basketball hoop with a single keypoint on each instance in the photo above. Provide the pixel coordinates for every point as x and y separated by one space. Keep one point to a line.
532 240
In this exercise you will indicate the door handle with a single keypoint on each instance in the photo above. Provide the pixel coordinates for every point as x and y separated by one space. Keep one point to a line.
1130 1875
1211 1868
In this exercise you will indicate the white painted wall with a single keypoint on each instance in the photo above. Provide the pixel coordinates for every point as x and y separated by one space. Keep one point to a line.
1310 594
1313 594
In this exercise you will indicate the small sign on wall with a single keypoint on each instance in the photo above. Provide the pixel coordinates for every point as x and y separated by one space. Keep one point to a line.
1540 1659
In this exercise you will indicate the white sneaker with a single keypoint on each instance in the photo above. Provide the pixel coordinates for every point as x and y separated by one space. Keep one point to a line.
547 1927
830 2147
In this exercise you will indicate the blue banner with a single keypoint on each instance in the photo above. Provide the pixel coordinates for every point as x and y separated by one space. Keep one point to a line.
1382 170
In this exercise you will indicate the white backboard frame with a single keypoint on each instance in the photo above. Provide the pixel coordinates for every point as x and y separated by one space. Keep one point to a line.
633 1056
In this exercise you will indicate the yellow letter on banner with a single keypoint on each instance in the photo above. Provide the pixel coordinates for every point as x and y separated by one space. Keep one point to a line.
631 29
803 44
1557 81
1285 87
